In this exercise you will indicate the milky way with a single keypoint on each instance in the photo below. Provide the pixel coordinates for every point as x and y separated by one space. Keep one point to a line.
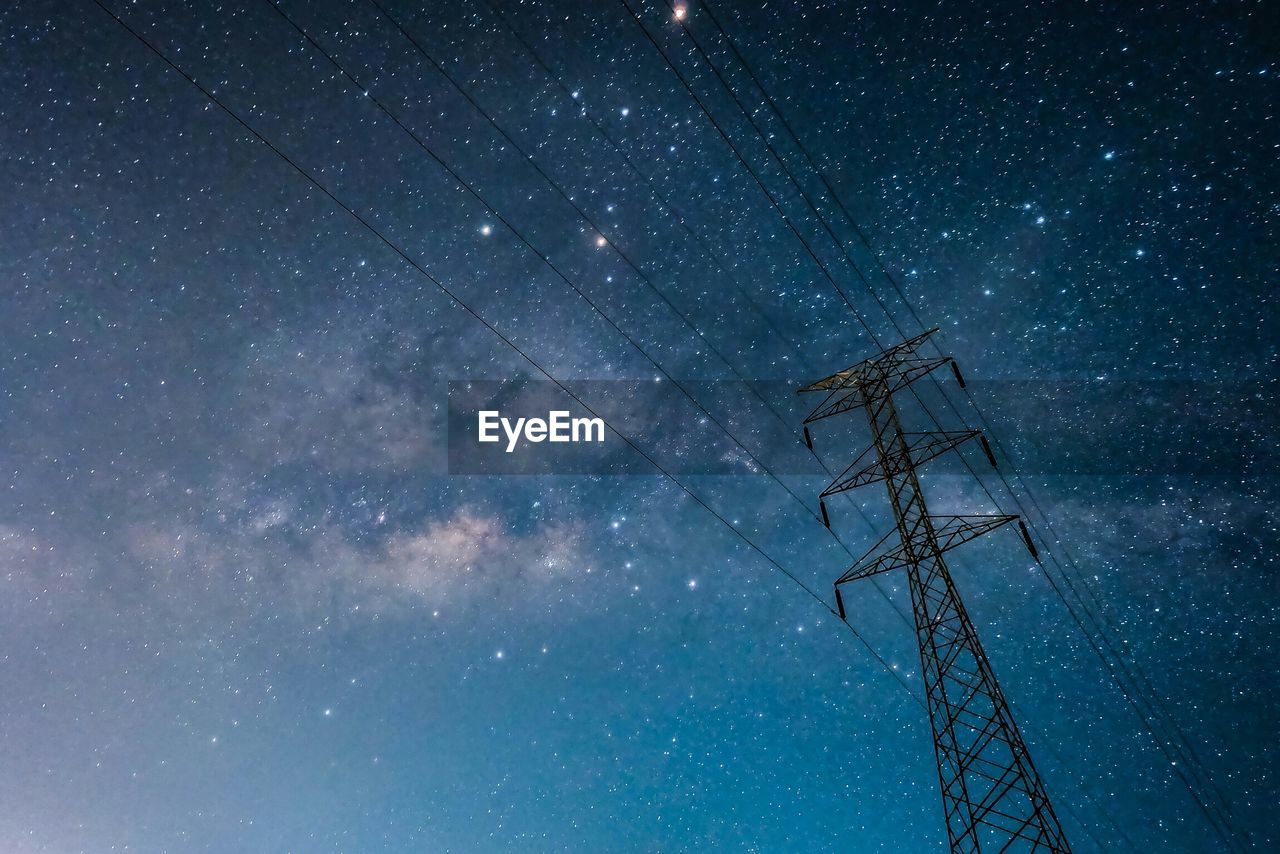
244 605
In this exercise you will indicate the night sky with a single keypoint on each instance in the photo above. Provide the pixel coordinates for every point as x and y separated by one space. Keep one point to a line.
244 605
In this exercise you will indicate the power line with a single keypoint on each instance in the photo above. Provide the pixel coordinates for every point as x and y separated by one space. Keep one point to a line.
776 206
760 183
583 111
773 201
400 252
526 156
542 256
663 199
409 260
777 111
826 226
1181 742
857 315
839 244
1194 760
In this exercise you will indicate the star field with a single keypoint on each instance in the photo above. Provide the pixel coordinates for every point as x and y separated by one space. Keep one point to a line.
244 606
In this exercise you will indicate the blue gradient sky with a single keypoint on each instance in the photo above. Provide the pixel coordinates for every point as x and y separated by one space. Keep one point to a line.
245 607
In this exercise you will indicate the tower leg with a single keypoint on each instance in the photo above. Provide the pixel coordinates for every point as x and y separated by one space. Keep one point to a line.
992 795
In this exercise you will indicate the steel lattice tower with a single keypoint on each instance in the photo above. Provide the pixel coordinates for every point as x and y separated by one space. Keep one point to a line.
992 796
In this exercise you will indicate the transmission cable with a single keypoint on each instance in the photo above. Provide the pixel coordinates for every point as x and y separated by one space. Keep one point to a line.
366 93
1184 746
858 272
1101 622
583 111
399 251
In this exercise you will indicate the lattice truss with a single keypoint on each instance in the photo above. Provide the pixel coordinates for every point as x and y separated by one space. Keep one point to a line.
993 798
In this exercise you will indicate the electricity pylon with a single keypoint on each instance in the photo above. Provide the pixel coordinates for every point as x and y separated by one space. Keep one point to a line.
992 797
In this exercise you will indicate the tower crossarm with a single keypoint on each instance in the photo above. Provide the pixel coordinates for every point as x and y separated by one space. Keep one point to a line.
867 468
876 560
948 532
889 375
907 371
850 377
958 530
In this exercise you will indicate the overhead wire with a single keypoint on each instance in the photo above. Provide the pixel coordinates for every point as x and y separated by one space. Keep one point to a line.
651 185
907 304
367 93
741 158
684 24
368 226
668 205
409 260
554 77
1100 621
